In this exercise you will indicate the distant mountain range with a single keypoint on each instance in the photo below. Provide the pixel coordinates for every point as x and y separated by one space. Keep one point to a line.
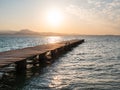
28 32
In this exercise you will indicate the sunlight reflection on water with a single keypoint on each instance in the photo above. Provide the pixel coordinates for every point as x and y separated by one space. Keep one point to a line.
56 81
54 39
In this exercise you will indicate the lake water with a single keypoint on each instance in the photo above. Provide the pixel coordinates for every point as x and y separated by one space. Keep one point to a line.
93 65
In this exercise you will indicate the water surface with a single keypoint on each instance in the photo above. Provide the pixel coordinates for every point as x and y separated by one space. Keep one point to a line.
94 65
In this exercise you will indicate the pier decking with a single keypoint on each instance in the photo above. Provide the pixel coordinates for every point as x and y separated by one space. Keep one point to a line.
37 54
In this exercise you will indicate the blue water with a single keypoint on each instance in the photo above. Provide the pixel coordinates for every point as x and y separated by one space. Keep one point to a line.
94 65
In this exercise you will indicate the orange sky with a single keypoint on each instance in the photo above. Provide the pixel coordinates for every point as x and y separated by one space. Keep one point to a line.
63 16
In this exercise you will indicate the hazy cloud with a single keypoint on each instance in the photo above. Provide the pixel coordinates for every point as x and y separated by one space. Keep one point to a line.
109 9
104 12
80 12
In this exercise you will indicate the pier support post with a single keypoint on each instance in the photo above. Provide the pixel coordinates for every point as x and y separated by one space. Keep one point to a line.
21 66
35 60
54 53
42 59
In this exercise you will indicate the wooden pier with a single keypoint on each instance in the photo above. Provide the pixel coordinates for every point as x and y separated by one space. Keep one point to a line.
41 54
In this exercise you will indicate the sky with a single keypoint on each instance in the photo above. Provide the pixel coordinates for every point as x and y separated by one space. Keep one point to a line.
94 17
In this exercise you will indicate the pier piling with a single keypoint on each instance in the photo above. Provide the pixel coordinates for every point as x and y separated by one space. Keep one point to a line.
21 65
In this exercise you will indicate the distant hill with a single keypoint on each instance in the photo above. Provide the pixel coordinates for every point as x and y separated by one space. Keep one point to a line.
29 32
26 32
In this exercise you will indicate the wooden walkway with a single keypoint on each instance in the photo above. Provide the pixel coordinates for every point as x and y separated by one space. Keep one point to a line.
16 56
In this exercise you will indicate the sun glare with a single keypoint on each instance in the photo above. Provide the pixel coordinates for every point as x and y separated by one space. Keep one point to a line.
54 39
54 17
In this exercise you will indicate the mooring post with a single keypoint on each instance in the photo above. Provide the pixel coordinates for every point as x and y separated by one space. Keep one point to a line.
21 66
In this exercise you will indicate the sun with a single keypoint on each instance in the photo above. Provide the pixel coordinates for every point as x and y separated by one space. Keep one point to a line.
54 17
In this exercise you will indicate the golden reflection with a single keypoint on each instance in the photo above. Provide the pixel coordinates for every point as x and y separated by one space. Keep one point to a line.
56 82
54 39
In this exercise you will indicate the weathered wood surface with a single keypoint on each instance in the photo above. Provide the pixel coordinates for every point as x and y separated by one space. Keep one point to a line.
14 56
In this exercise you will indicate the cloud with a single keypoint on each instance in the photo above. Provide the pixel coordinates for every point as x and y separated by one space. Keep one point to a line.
80 12
102 12
109 9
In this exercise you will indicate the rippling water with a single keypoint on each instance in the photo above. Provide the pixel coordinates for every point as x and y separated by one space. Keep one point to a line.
94 65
